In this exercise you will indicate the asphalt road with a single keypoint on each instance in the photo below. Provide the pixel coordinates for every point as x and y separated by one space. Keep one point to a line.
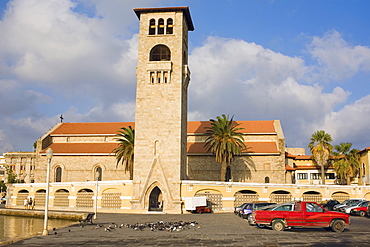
210 230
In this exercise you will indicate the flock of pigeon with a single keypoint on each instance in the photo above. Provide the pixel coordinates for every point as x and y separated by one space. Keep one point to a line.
157 226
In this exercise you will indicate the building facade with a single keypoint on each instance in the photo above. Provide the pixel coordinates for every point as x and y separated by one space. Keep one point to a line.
170 162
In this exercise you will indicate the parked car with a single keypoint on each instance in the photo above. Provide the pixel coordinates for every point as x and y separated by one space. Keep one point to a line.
305 214
287 206
346 203
237 209
328 205
361 211
246 212
347 209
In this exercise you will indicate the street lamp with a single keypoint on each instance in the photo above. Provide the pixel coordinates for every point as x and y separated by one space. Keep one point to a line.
97 174
49 155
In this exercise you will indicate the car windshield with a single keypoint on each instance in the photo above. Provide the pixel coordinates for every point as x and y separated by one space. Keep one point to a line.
354 203
363 204
283 207
261 206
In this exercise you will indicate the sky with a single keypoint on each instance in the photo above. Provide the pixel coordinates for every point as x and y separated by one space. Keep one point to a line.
305 63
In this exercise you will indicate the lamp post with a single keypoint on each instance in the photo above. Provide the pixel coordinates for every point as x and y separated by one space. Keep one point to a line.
97 174
49 155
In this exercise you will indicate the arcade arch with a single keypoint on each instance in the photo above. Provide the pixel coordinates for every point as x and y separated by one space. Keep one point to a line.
61 198
21 195
367 196
40 198
84 198
214 198
312 196
280 196
111 198
243 196
340 196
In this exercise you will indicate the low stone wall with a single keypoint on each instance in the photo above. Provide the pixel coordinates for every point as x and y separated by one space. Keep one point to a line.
40 214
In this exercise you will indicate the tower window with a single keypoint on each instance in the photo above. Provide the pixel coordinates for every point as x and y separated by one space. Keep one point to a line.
160 26
152 27
169 29
98 173
160 53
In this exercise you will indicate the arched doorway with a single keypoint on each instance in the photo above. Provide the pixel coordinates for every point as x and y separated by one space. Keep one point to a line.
156 200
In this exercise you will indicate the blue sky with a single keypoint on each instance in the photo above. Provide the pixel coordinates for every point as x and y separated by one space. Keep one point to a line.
305 63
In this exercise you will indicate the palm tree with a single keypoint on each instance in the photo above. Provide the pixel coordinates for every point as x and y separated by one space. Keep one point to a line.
224 141
347 162
321 149
125 150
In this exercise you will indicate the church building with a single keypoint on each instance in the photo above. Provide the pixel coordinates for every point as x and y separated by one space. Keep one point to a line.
170 162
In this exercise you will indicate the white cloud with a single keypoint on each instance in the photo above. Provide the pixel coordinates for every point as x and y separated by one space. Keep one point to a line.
58 59
244 79
337 59
350 124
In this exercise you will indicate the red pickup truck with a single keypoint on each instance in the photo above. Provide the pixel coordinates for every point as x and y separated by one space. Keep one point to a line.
303 214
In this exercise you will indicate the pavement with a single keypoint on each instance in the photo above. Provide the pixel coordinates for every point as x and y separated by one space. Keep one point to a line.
225 229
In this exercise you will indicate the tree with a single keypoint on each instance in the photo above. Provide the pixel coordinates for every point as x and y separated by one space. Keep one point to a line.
347 162
320 148
11 177
2 186
224 141
125 150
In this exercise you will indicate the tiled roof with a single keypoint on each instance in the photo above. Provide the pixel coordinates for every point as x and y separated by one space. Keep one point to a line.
289 168
82 148
192 148
249 126
303 157
197 127
311 167
91 128
253 148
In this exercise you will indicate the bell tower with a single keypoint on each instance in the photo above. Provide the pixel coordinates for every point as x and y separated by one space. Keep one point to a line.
161 108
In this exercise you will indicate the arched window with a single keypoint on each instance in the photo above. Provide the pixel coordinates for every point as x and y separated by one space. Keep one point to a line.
160 53
98 173
169 28
58 174
160 26
151 27
267 180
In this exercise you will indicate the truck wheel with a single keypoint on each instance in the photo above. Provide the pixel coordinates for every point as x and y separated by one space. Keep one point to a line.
338 226
260 226
362 213
278 225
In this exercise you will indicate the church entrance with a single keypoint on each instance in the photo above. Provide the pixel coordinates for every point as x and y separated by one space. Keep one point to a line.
155 200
